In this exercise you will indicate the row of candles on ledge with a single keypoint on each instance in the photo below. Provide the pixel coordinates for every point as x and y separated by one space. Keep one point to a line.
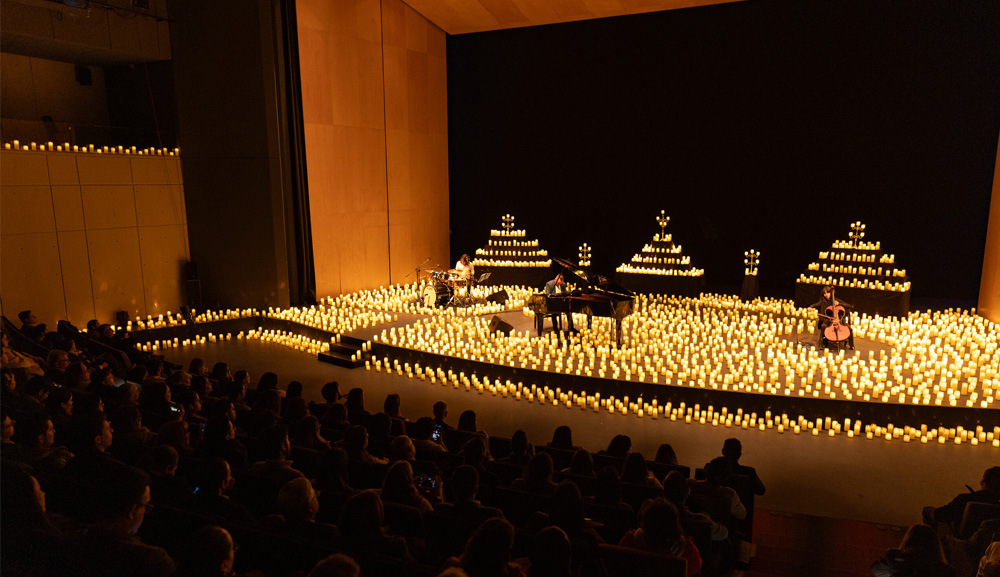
514 243
856 283
284 338
703 343
512 263
66 147
684 260
744 420
865 270
854 257
515 253
507 233
845 244
406 299
630 268
650 249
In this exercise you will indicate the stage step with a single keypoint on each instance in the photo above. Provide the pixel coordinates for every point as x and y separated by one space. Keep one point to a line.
340 353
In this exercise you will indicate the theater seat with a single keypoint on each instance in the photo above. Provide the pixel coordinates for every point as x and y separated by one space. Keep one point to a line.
624 562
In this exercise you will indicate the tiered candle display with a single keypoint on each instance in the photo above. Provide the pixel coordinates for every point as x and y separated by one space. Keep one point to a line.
661 257
88 149
857 264
510 247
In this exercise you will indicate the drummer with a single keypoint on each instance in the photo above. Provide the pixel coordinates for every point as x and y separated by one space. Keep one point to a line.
464 268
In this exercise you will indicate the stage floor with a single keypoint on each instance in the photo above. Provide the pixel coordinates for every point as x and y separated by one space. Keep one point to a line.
847 478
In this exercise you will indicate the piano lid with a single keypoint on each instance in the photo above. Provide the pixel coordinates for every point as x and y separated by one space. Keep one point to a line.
598 282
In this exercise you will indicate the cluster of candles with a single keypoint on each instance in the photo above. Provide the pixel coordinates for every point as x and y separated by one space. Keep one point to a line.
507 233
660 260
845 244
718 343
863 270
512 263
855 283
630 268
284 338
662 238
855 257
89 148
661 249
493 242
688 414
500 253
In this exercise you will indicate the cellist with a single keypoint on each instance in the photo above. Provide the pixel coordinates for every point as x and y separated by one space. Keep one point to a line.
823 320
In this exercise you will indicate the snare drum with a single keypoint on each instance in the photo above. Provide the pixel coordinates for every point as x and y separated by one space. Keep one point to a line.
437 294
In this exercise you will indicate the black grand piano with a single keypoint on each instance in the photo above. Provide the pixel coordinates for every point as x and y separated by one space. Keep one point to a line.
598 297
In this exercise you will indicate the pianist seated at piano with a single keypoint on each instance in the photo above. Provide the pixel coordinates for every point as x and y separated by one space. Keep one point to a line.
557 286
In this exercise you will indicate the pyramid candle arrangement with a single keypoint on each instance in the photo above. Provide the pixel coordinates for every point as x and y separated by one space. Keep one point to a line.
861 272
511 257
661 267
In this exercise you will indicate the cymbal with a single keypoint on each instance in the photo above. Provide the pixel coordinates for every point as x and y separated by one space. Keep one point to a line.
454 270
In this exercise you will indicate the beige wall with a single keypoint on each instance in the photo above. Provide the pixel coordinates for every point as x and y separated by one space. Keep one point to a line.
989 288
85 235
375 109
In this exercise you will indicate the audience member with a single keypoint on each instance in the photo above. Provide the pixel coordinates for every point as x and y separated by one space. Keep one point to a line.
665 455
356 445
160 463
732 449
582 464
676 490
131 437
520 450
488 551
465 487
196 368
440 412
660 532
717 472
362 527
333 485
399 487
989 492
298 503
421 432
29 539
553 554
13 360
274 443
30 327
919 555
336 565
355 405
307 434
562 438
619 446
220 441
537 476
334 423
474 454
210 552
635 471
608 488
210 496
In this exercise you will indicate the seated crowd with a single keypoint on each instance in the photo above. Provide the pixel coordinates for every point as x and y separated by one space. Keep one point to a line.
168 471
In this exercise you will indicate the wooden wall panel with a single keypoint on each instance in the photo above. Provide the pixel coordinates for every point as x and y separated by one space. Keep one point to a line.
78 252
989 287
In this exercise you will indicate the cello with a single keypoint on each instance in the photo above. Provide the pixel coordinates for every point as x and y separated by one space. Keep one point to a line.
838 331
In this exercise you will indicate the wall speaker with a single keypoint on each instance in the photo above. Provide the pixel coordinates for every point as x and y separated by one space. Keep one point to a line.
499 325
499 297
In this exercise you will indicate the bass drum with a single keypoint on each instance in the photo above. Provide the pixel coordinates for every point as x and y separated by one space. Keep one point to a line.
435 295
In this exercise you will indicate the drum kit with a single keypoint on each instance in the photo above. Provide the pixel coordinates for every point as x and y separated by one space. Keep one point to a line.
450 287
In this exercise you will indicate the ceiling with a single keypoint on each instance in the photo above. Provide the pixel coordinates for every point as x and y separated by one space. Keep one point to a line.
465 16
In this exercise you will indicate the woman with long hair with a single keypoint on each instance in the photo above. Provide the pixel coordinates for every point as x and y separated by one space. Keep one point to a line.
660 532
919 555
635 471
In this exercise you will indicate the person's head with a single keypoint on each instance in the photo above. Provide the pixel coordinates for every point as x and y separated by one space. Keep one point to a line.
464 259
77 376
675 488
220 372
36 432
154 369
92 432
397 486
175 434
197 367
137 374
665 454
217 476
539 469
57 360
336 565
559 279
619 446
307 433
607 486
362 517
126 419
37 387
828 292
297 500
732 449
160 461
155 395
268 381
268 400
659 521
218 430
122 499
128 393
553 555
224 408
179 380
242 377
8 426
392 404
519 443
356 399
991 480
562 438
235 391
92 325
474 451
465 483
294 390
402 449
440 410
201 385
22 501
336 413
332 471
274 442
190 400
422 429
296 409
487 552
102 378
60 402
106 331
467 421
331 392
718 470
582 464
566 508
88 403
923 541
27 318
634 470
209 551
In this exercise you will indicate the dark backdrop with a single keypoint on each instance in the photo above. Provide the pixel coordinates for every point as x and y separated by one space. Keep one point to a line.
767 125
